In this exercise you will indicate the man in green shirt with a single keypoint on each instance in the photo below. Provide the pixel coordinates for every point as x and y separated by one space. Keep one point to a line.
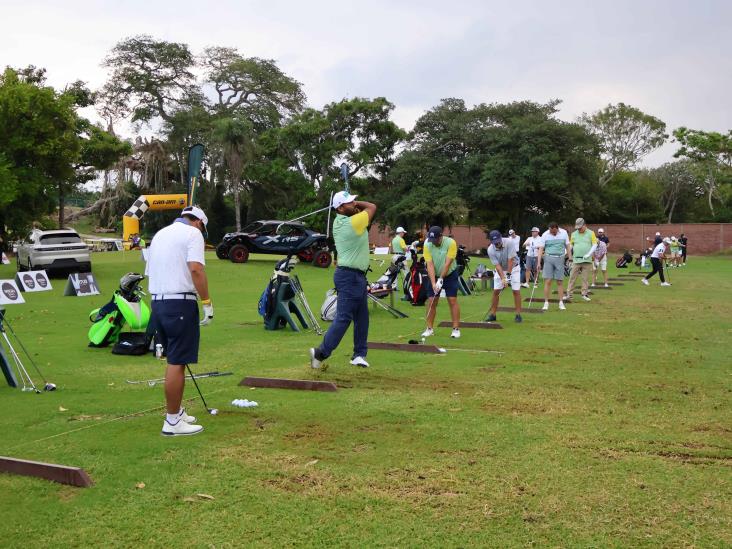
439 255
351 236
398 246
583 242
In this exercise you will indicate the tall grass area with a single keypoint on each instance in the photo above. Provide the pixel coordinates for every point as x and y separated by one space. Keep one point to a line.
608 424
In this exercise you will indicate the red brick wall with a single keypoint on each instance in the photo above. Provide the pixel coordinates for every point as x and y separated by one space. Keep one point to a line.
704 238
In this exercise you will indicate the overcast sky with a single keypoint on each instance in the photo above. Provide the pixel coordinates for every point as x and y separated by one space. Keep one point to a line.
669 58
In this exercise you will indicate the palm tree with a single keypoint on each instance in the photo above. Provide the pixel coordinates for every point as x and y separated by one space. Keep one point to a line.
236 137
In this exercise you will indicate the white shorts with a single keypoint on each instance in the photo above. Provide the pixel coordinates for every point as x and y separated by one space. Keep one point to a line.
514 279
602 263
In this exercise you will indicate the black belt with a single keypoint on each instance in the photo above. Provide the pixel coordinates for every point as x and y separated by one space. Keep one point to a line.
352 270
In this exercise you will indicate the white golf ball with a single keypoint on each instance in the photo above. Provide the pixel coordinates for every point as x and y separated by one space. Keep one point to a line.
213 411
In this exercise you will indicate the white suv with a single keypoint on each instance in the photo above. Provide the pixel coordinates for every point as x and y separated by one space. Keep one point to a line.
54 250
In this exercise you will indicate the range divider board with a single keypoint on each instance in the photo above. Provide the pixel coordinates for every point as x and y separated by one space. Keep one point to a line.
483 325
531 311
73 476
10 293
410 348
81 284
279 383
33 281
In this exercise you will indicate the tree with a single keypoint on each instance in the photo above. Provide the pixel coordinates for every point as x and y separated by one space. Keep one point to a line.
626 135
712 153
151 77
235 135
678 181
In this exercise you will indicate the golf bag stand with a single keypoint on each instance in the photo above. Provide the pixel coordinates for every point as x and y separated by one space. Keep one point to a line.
284 306
25 378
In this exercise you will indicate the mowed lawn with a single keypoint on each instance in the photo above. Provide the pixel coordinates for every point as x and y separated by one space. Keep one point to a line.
608 424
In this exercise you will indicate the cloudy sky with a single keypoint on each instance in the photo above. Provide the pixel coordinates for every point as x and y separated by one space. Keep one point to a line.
669 58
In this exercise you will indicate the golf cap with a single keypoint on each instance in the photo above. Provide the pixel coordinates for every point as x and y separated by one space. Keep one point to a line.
658 234
511 232
600 230
340 198
496 237
579 223
667 240
434 234
400 230
535 229
196 212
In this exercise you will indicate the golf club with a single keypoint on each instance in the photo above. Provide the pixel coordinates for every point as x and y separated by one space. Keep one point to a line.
153 382
29 386
533 289
344 175
212 411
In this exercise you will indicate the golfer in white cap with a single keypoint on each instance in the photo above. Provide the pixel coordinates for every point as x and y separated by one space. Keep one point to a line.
532 245
177 279
398 245
351 236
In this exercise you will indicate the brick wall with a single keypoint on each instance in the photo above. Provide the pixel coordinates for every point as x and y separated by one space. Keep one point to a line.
704 238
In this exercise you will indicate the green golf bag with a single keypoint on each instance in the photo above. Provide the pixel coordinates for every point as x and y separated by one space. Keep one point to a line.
125 308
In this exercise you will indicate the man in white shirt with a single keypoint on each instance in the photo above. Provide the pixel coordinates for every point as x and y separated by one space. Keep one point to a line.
503 253
554 249
532 245
657 257
177 278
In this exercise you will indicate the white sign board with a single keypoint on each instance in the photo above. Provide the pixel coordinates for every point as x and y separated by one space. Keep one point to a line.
81 284
33 281
381 251
9 293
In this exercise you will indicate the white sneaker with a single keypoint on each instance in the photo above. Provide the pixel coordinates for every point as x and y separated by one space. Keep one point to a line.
180 428
586 298
592 285
546 306
525 285
607 285
644 281
360 361
428 332
665 284
185 417
561 306
455 333
315 364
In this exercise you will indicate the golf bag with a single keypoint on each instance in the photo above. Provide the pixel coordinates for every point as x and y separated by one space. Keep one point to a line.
623 261
284 297
567 266
466 287
330 306
389 279
126 307
415 283
644 259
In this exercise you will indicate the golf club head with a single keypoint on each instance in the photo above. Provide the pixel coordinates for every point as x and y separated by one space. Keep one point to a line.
50 387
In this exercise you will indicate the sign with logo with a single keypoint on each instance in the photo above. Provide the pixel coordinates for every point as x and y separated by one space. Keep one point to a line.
381 251
5 259
33 281
9 293
81 284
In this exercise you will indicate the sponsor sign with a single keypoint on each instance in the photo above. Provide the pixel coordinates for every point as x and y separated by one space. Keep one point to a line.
9 293
81 284
33 281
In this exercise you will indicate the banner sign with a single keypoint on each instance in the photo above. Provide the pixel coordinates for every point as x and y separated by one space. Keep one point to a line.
9 293
81 284
33 281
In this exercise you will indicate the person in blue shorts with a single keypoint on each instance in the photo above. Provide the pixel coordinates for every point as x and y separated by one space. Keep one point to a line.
439 255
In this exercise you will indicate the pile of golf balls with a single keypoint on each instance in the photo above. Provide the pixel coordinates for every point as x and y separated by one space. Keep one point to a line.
244 403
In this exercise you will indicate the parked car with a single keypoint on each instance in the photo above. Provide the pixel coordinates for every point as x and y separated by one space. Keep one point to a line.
53 251
279 238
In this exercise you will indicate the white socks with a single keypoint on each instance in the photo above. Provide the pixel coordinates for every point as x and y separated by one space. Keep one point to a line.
172 418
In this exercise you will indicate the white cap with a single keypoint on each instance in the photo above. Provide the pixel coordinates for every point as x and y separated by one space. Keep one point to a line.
196 212
667 240
511 232
600 230
400 230
535 229
658 234
340 198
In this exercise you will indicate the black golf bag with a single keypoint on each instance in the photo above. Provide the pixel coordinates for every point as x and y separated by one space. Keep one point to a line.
466 287
645 254
415 283
567 266
623 261
389 279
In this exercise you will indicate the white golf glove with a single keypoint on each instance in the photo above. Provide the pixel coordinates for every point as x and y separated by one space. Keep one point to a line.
438 285
207 312
586 256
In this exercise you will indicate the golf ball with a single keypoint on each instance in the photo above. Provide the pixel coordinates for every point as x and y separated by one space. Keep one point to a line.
213 411
423 340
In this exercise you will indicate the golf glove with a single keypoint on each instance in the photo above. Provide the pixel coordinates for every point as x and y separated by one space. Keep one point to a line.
438 285
586 256
207 312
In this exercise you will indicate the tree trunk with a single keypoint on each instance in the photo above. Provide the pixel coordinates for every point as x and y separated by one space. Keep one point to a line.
237 207
671 211
182 176
61 206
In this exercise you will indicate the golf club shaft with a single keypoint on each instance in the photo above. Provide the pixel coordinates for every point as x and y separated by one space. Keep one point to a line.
198 389
33 363
197 376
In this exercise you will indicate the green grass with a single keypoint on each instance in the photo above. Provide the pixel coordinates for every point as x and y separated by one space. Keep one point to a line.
605 425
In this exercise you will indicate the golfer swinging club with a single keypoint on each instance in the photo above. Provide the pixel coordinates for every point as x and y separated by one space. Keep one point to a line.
175 267
352 244
439 255
503 252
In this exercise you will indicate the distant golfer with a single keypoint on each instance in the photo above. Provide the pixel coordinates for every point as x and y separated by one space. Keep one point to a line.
398 245
554 249
439 255
532 245
175 267
683 241
352 245
657 257
583 242
599 258
503 252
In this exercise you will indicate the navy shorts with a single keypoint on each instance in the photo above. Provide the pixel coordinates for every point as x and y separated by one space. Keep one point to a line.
176 321
449 284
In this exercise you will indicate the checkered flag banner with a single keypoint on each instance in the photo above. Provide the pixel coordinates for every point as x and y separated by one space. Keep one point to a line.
139 208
